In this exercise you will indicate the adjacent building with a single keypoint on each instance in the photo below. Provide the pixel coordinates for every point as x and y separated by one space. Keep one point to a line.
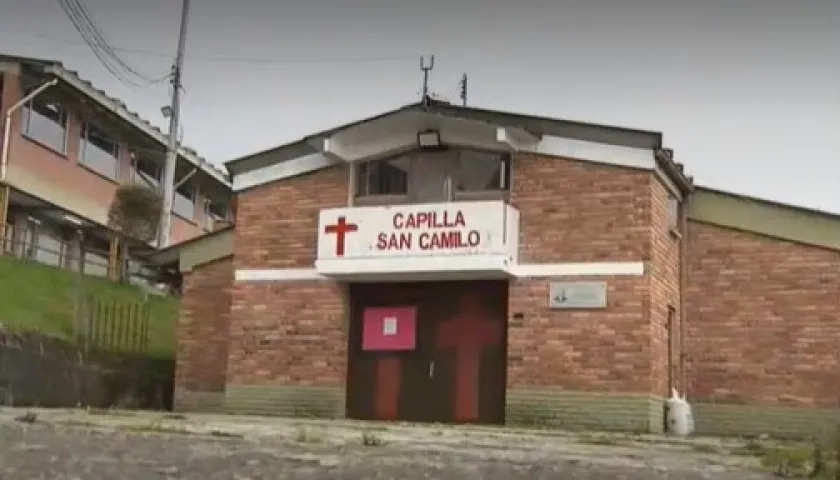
67 146
451 264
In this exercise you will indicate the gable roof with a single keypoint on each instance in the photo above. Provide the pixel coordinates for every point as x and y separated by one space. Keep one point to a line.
116 106
537 125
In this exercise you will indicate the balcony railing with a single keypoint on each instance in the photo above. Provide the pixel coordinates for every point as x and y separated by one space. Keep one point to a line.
30 242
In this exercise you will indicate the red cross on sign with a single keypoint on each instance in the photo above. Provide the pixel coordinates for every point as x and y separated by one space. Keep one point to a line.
341 228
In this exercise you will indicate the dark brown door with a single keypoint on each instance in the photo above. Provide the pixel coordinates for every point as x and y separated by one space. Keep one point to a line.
470 342
389 385
457 371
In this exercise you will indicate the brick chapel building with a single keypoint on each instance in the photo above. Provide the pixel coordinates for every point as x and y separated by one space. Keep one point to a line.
451 264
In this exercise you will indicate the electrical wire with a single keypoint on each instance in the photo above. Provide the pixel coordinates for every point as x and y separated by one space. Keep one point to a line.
71 14
95 45
83 22
235 59
104 43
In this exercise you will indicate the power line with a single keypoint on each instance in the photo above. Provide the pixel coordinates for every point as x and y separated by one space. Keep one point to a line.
84 24
235 59
73 16
105 45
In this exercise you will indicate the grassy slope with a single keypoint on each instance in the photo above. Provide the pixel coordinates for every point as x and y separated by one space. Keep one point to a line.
40 297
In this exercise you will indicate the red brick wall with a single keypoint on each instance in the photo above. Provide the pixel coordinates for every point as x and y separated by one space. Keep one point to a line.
581 212
763 325
277 223
575 211
203 327
287 332
585 350
664 278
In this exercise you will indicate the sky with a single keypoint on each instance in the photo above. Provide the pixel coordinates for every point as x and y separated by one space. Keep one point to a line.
746 92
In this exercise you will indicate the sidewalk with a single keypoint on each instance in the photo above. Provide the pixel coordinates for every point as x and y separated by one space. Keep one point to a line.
371 450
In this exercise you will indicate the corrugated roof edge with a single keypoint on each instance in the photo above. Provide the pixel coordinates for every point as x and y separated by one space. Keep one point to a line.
72 78
648 139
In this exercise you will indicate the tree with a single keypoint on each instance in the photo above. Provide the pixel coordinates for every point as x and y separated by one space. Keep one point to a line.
135 215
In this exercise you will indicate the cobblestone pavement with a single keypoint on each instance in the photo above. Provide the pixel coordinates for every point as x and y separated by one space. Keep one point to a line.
79 445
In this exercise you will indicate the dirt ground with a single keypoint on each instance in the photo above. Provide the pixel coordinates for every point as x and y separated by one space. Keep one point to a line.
93 445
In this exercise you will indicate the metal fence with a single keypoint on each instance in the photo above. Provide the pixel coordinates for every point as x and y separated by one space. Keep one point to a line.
44 245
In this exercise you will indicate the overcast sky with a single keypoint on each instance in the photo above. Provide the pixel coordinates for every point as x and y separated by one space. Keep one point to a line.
747 96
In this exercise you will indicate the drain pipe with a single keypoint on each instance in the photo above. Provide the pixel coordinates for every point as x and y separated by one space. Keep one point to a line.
7 125
688 196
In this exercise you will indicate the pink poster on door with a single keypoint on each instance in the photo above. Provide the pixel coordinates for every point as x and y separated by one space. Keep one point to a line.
389 328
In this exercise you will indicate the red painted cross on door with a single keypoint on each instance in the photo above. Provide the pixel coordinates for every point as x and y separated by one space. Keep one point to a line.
340 229
468 332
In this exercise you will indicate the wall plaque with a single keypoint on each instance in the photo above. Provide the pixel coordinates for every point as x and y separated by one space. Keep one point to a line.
577 295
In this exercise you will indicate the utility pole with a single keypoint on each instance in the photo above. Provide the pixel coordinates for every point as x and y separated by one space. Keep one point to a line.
168 182
463 86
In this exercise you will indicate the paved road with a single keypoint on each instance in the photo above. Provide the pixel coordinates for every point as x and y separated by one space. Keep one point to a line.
92 450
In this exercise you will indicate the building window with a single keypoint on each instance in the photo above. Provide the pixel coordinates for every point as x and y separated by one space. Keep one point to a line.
218 210
183 202
477 171
214 213
145 171
46 123
383 177
673 213
99 152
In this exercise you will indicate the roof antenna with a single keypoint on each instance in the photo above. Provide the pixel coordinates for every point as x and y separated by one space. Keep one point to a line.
426 67
464 89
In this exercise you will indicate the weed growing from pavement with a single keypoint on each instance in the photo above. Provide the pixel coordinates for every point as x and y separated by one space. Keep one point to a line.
793 459
109 412
370 439
706 448
157 426
28 417
220 433
309 435
594 439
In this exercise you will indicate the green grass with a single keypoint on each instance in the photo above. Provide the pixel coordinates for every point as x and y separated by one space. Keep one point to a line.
40 297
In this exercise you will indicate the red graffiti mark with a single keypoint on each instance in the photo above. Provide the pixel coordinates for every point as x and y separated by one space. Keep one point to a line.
468 332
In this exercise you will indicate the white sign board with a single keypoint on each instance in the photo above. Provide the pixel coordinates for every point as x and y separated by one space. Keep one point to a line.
389 326
423 230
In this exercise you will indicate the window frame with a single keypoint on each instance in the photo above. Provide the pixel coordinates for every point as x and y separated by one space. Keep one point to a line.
212 217
26 122
357 173
84 140
505 160
193 189
144 177
674 209
378 197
